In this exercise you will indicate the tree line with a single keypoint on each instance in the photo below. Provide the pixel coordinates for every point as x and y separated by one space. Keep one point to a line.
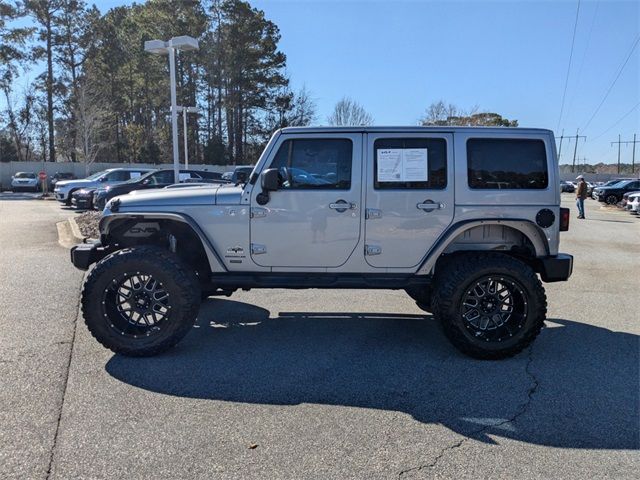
101 97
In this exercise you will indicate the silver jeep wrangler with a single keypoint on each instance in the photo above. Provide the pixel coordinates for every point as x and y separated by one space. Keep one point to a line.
465 220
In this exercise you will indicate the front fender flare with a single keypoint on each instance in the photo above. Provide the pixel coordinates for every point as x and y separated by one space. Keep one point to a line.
215 263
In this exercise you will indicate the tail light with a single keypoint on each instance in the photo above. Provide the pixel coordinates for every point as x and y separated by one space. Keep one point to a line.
565 214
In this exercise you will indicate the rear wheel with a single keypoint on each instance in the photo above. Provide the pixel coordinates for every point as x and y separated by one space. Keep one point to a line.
612 200
490 305
140 301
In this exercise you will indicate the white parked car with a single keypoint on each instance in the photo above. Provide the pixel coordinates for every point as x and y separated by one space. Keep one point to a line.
633 202
25 181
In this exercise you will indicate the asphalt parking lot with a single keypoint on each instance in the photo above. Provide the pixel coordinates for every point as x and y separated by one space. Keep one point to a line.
319 384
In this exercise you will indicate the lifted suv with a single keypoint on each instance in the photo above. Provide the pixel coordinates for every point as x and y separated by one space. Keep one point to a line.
463 219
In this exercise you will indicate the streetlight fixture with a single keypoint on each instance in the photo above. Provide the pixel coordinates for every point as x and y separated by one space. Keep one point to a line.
184 43
184 111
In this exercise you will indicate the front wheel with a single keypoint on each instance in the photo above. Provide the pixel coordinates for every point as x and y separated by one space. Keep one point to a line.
612 200
491 305
140 301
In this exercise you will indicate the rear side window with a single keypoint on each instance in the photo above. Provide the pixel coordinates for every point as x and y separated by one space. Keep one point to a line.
418 163
315 164
496 163
118 176
164 177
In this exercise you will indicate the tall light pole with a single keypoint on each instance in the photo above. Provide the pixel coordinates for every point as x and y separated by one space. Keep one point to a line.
184 43
184 111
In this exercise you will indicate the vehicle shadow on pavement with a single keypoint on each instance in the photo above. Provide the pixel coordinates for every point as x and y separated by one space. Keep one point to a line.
578 387
19 196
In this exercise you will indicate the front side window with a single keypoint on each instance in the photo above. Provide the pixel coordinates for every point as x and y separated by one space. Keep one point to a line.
315 164
496 163
418 163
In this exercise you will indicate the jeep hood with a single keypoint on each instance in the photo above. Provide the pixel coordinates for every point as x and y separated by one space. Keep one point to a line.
179 197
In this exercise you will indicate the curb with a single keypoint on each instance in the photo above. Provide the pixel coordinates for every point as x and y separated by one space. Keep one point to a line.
75 230
66 239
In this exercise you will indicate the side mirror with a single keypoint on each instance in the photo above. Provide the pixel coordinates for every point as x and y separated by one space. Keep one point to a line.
269 180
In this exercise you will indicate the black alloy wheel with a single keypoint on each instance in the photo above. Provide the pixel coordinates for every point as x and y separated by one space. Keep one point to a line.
494 308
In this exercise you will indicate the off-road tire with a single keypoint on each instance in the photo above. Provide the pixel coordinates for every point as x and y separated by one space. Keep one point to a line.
179 281
459 275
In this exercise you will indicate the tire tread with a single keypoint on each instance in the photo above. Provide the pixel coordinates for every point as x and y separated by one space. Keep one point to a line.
451 278
187 308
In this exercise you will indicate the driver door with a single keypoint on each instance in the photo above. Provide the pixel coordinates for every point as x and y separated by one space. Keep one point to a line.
313 219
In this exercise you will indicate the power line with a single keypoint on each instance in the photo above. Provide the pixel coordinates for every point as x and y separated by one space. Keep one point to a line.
633 47
617 122
584 57
566 80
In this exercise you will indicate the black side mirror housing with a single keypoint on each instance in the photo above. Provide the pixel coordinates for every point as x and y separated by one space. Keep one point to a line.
269 180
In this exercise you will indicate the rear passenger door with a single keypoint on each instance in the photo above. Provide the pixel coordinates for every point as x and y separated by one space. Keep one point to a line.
409 197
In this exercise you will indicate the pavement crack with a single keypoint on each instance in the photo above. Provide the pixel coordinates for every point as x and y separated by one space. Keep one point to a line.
535 384
71 344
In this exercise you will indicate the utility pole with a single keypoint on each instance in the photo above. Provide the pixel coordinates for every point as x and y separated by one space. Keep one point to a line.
626 142
575 150
633 158
560 148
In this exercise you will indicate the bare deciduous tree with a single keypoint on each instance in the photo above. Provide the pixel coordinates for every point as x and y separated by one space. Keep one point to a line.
20 120
303 111
348 112
92 118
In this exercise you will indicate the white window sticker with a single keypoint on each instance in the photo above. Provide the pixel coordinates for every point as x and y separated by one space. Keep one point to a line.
135 174
403 165
414 165
390 165
184 176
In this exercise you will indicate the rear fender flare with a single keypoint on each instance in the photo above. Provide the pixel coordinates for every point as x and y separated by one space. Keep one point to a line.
529 229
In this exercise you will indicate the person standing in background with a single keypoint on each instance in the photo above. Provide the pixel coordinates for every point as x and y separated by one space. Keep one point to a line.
581 194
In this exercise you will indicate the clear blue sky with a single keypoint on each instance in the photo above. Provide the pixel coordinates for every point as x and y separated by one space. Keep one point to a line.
510 57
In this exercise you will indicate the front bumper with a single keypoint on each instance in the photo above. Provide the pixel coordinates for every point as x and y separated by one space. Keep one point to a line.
61 196
556 268
23 186
86 254
82 203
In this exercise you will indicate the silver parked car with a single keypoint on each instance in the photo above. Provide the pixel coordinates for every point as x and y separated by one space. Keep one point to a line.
65 188
25 181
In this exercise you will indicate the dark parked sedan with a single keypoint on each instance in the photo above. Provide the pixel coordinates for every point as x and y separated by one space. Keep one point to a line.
155 179
83 199
567 187
613 193
53 179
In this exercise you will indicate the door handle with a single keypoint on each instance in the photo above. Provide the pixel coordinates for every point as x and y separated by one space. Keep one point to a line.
429 206
342 206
